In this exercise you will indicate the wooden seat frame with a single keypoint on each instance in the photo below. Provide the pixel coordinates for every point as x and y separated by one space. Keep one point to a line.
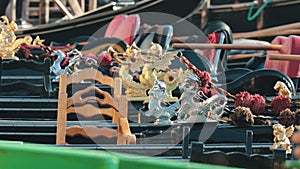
118 107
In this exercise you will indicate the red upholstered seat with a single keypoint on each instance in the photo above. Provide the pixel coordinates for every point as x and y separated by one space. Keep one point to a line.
123 27
290 68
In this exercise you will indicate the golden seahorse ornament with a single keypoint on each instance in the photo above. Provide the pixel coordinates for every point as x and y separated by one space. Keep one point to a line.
154 65
160 65
130 62
9 44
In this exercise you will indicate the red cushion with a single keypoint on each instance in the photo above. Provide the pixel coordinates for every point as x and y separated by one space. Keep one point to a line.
123 27
289 46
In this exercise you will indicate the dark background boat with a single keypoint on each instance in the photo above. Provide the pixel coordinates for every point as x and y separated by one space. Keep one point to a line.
277 12
87 25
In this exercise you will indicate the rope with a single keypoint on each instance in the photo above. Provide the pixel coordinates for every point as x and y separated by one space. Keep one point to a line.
250 18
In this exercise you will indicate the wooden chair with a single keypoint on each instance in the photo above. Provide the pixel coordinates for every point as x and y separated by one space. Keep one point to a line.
237 159
25 78
115 106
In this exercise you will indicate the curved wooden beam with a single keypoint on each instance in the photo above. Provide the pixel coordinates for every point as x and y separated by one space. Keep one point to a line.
274 31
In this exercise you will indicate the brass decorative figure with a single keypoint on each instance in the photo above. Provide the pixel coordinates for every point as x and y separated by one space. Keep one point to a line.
154 65
281 137
130 62
9 44
38 41
282 89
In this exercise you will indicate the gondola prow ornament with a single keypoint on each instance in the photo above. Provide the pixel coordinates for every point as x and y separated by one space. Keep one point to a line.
195 108
282 89
281 137
150 65
157 106
9 44
56 68
190 108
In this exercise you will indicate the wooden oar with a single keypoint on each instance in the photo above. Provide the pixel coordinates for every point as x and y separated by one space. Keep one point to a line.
225 46
284 57
288 29
243 56
254 34
274 31
179 39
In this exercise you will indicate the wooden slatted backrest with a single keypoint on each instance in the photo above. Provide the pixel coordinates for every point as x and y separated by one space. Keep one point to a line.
113 106
97 76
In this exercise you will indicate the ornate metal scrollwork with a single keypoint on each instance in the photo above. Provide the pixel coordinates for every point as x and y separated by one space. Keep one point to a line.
9 44
195 109
153 64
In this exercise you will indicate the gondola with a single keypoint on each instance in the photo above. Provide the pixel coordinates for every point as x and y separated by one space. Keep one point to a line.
34 120
87 25
276 12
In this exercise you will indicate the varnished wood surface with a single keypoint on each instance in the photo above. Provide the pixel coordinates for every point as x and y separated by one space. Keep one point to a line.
79 103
